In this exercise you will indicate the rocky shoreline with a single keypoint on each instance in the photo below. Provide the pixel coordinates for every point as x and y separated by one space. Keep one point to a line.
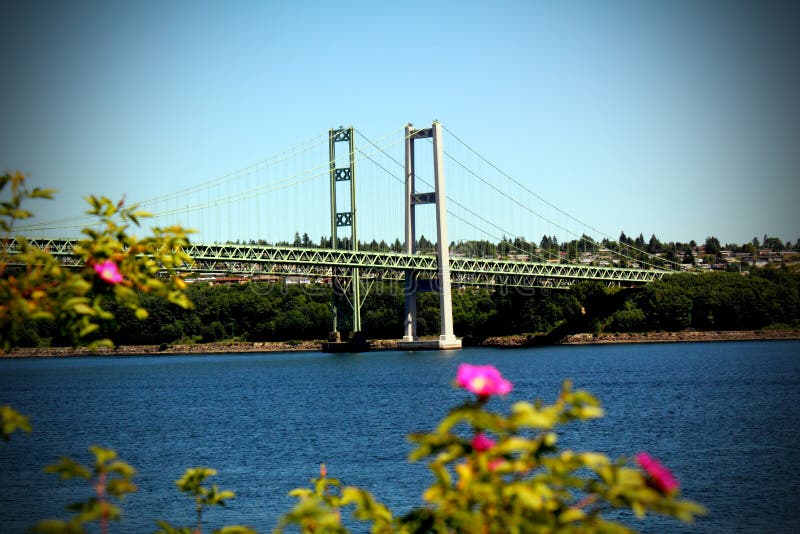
646 337
677 337
140 350
391 344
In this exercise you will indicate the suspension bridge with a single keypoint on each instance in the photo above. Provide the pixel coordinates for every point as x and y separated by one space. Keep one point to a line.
244 220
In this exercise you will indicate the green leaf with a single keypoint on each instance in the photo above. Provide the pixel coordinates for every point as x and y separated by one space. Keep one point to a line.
570 515
122 468
216 497
88 329
515 444
83 309
12 421
67 468
525 495
463 413
524 414
41 315
74 302
687 510
589 412
594 460
102 456
120 487
638 509
141 214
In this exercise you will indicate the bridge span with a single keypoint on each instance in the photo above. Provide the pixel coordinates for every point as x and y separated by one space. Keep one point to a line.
255 260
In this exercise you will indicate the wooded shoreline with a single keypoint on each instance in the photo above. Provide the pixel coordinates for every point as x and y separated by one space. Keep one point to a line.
509 342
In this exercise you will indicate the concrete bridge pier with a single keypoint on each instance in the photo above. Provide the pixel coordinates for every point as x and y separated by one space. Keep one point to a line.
447 339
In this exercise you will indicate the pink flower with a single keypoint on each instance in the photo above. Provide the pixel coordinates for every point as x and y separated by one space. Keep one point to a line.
481 442
482 380
108 271
658 476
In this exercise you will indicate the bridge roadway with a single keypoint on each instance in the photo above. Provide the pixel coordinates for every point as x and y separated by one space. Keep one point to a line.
262 260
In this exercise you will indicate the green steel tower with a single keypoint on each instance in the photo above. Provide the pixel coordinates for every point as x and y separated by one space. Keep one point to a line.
346 288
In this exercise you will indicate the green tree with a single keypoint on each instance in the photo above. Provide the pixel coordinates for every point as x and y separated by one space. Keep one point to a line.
428 314
688 257
666 307
473 314
629 319
382 312
712 246
774 244
424 246
654 245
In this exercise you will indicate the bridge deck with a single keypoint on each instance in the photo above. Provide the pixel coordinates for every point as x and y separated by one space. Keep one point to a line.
288 261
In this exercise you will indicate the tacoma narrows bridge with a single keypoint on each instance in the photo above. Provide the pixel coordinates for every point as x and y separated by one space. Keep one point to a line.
235 205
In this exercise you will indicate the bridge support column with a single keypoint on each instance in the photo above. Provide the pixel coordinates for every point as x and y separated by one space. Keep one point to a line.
352 291
447 339
409 289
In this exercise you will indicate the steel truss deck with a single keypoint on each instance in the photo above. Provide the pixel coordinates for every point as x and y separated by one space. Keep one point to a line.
254 260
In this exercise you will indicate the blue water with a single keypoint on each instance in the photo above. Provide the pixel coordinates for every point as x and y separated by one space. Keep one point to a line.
723 416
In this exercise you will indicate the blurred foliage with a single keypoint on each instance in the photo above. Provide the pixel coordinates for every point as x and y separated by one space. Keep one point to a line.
109 477
191 483
11 421
517 482
39 295
319 507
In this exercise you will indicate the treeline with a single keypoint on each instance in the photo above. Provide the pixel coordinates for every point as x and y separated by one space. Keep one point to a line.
710 301
280 312
508 245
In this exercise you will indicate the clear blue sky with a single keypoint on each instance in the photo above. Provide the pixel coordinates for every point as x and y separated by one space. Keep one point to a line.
679 118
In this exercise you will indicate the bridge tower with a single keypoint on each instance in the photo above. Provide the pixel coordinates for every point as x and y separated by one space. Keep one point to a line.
447 339
345 288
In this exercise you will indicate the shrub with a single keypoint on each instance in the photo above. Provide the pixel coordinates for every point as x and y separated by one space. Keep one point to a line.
504 473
